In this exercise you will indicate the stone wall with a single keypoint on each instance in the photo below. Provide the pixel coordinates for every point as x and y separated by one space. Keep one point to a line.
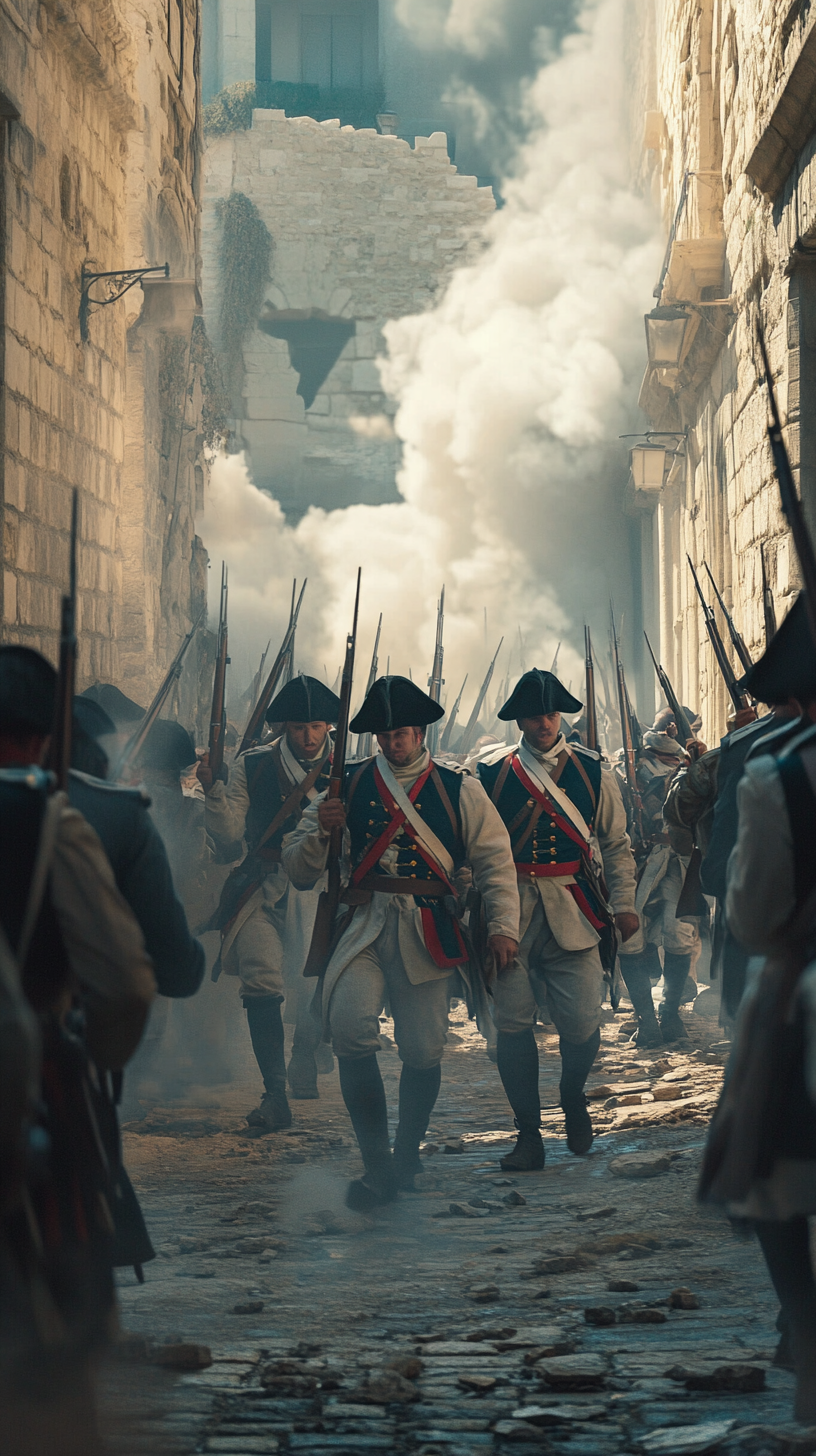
364 229
727 122
101 152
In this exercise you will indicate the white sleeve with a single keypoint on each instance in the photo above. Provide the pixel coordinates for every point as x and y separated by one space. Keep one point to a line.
227 805
304 852
615 846
760 895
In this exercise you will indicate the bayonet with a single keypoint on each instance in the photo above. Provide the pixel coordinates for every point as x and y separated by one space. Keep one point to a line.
625 712
252 732
717 644
555 659
791 504
218 715
684 728
323 934
136 742
365 743
59 760
736 637
768 606
436 680
590 709
290 658
447 731
467 737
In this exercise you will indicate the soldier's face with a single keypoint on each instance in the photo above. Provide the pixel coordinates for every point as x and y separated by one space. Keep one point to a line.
401 745
306 739
541 732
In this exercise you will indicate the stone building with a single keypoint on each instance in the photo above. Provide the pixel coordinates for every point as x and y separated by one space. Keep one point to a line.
363 228
724 115
100 123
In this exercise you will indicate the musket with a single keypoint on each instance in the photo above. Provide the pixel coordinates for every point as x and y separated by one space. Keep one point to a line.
467 737
218 714
684 728
447 731
321 944
768 607
290 657
436 680
59 756
590 709
791 504
625 711
252 731
136 742
555 659
521 653
736 637
718 646
365 743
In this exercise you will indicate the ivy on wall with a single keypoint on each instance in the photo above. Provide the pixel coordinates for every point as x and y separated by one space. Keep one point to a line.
244 259
231 109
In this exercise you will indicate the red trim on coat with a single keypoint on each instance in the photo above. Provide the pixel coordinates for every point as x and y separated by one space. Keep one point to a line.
542 798
585 908
434 945
548 871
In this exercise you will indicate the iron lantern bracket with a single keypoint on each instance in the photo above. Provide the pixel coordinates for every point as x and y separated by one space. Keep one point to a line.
115 285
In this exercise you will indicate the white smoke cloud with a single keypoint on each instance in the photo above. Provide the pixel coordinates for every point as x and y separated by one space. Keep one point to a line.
512 392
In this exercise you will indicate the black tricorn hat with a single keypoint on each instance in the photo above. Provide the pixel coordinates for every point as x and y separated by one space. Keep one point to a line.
167 746
304 700
787 667
117 705
535 693
395 702
92 719
27 691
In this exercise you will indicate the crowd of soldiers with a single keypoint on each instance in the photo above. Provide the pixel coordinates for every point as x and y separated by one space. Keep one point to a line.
524 877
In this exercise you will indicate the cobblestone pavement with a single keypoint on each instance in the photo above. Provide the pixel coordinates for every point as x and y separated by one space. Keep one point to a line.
455 1320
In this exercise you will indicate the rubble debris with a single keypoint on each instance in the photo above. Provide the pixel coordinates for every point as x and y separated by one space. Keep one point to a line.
683 1299
641 1165
514 1200
590 1213
453 1145
182 1356
466 1210
638 1314
622 1286
549 1352
490 1333
409 1366
480 1384
573 1372
248 1306
485 1293
560 1264
385 1389
599 1314
686 1440
558 1415
738 1379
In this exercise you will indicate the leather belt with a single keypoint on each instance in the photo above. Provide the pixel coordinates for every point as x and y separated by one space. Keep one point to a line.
392 885
547 871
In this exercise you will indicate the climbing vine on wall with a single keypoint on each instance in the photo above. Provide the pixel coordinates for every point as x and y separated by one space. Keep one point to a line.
246 252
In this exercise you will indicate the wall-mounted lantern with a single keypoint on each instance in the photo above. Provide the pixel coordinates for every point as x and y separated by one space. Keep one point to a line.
648 466
665 336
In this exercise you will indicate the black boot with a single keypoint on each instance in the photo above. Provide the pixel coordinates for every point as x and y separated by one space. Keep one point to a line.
635 971
675 970
418 1091
517 1058
364 1096
576 1064
302 1072
266 1033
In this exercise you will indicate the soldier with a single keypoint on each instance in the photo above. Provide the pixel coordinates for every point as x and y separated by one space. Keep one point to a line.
761 1154
269 788
659 887
410 824
553 797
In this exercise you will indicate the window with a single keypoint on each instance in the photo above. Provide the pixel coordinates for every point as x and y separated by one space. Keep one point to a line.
331 50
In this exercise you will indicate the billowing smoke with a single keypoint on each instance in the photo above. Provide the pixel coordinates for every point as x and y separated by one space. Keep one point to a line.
512 393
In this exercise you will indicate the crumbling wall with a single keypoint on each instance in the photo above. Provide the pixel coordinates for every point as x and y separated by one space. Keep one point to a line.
364 228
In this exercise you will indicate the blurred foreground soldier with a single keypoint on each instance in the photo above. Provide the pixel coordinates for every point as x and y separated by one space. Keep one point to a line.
86 975
410 824
659 886
553 797
761 1154
263 922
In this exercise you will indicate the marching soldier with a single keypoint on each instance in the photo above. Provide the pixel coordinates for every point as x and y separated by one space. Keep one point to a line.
553 797
269 788
411 822
658 892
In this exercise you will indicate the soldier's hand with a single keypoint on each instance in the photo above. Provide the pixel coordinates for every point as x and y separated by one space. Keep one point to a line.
740 718
332 815
204 773
626 924
504 950
695 748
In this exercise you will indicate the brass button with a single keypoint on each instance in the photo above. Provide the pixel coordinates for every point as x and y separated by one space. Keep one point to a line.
531 803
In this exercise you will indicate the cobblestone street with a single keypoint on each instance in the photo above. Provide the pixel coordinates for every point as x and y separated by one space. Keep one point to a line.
481 1312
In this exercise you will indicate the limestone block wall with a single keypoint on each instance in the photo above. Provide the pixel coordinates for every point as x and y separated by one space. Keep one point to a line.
716 100
364 228
100 115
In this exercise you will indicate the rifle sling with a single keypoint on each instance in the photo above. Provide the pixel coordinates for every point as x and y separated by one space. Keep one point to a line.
292 802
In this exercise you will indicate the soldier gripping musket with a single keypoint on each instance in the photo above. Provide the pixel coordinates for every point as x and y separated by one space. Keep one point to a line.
409 823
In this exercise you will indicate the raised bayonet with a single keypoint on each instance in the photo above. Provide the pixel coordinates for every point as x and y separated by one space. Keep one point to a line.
252 732
627 737
136 742
436 680
218 715
467 737
791 504
365 743
589 708
718 646
447 731
684 728
736 637
768 606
